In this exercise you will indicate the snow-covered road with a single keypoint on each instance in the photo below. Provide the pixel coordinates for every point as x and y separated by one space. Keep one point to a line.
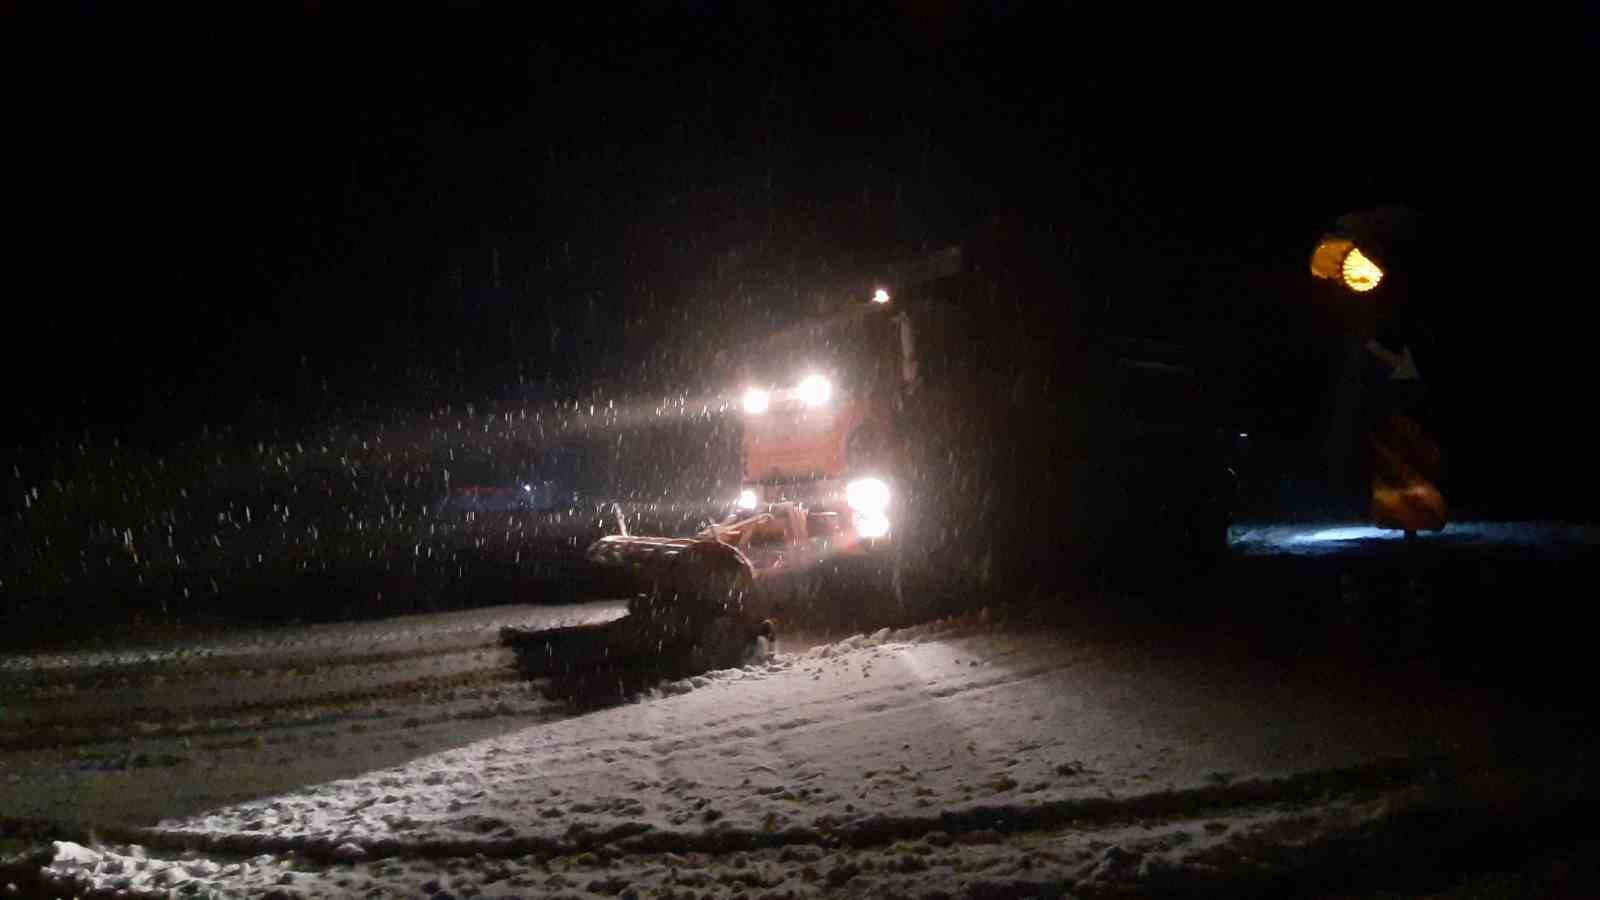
137 732
400 758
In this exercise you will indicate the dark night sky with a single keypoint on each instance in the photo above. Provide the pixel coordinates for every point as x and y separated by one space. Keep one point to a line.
223 209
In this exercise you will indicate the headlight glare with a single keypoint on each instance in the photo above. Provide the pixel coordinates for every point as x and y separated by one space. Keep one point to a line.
748 499
814 390
868 496
756 401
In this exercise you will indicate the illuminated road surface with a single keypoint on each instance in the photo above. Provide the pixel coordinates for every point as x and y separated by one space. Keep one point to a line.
972 757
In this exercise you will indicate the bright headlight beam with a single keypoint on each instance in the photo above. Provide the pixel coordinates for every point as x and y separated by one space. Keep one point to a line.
868 496
756 401
748 499
880 296
814 390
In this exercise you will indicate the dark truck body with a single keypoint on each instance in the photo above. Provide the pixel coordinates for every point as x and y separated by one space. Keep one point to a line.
1043 445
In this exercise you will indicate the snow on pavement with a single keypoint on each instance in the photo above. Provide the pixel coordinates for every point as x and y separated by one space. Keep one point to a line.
431 632
935 864
898 746
268 711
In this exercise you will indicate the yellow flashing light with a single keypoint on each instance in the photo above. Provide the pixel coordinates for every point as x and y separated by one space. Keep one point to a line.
1359 273
1339 259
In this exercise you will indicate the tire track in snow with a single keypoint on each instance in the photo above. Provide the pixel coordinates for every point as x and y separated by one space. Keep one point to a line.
802 715
798 721
1315 788
1254 851
178 700
311 711
326 645
156 672
432 827
274 683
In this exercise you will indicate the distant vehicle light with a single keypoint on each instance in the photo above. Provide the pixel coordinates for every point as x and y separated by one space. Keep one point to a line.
1359 273
748 499
880 296
814 390
528 488
756 401
872 525
867 496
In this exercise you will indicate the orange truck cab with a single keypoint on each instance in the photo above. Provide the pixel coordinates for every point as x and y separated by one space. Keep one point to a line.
938 424
817 406
817 403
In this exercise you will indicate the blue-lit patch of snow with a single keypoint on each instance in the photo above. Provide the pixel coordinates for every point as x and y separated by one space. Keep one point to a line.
1322 538
1346 533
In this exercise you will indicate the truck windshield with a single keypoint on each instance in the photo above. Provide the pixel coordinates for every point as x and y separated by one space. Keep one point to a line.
856 353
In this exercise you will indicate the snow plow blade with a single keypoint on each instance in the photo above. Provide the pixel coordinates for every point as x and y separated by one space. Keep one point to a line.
595 665
588 665
692 614
564 651
638 552
680 563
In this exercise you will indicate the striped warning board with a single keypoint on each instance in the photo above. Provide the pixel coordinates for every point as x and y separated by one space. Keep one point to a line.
1406 464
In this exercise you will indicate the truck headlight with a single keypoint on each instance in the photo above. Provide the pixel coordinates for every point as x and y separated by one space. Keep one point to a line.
814 390
748 499
872 525
756 401
867 496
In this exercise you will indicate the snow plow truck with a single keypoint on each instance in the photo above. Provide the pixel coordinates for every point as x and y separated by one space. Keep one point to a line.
942 425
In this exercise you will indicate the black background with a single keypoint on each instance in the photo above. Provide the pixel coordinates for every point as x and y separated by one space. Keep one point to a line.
258 218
